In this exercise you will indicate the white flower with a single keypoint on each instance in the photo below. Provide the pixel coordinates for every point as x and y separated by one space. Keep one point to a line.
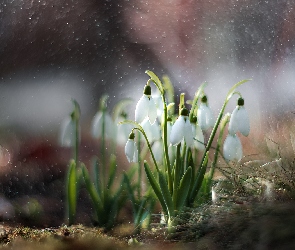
152 131
232 148
157 149
123 131
182 129
205 116
239 121
131 151
97 122
199 137
159 104
67 135
146 107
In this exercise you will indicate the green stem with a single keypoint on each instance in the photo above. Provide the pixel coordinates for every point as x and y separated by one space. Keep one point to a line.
139 168
217 150
165 143
149 146
103 150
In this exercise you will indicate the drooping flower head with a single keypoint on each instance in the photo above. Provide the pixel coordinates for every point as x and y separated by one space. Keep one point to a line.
232 148
239 120
102 123
67 133
182 129
68 128
205 115
131 151
146 107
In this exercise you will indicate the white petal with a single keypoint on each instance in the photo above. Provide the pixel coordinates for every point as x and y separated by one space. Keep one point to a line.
123 132
141 109
177 131
152 111
152 131
239 149
232 148
234 121
96 126
199 138
205 117
159 104
110 128
210 118
201 116
129 150
157 149
229 148
244 123
188 134
135 155
67 133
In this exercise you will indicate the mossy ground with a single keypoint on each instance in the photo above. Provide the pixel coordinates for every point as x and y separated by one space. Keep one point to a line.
226 225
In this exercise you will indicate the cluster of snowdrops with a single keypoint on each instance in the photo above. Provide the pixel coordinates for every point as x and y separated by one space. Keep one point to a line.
179 172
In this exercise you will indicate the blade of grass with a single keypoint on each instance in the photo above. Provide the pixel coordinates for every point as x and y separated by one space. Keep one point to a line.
156 187
183 190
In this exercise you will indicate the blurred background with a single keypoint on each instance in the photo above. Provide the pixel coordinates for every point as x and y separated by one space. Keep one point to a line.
52 51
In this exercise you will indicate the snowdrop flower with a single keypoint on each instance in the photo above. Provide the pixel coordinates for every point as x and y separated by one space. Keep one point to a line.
97 122
205 115
239 120
182 129
232 148
199 137
67 135
157 149
123 133
159 103
131 151
146 107
152 131
123 130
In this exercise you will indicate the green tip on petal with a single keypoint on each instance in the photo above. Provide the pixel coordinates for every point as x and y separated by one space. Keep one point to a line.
193 119
204 99
131 136
241 101
184 112
147 90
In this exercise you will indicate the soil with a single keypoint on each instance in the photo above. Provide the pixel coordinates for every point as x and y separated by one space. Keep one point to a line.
32 211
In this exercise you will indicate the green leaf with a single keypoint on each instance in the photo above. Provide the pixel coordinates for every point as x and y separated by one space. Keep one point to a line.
130 191
96 200
114 208
199 179
155 187
72 191
232 89
96 171
140 215
183 190
166 194
113 169
177 169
